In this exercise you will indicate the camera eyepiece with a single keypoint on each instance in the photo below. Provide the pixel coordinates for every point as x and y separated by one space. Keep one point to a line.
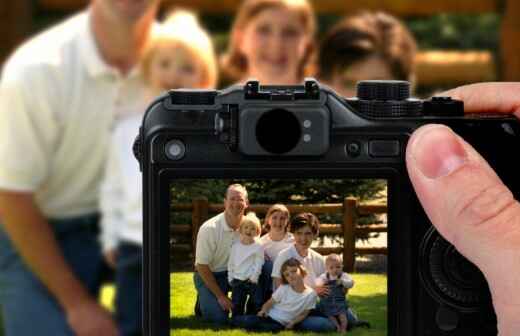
278 131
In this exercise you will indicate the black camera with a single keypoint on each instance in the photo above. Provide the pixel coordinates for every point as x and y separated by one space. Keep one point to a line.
296 133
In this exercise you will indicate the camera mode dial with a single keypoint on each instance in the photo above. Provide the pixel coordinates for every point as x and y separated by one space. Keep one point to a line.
385 98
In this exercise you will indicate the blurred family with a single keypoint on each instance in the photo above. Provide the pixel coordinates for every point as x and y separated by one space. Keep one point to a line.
71 101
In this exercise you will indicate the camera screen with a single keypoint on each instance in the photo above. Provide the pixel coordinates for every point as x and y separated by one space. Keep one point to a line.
278 254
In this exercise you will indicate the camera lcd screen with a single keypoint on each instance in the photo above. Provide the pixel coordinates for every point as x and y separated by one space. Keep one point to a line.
285 254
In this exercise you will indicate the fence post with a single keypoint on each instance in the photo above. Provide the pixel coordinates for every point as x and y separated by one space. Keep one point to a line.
199 215
510 32
350 216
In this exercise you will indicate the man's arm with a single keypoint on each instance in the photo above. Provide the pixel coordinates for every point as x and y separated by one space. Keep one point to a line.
34 240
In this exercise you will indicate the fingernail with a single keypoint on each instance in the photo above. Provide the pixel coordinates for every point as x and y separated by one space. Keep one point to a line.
437 151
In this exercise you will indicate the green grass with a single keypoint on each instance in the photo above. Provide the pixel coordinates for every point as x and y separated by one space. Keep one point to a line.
368 298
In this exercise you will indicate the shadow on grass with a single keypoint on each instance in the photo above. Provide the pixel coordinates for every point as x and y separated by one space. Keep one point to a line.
368 308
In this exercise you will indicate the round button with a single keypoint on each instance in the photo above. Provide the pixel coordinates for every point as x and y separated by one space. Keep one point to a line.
353 149
307 124
175 149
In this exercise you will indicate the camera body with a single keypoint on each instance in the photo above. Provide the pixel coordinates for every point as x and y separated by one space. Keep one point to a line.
308 131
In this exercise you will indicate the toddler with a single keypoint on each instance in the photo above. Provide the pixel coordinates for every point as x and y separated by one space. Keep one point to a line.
334 305
245 264
180 54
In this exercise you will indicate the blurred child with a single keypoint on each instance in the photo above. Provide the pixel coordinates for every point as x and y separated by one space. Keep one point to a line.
180 54
245 264
334 304
290 304
275 240
271 41
366 46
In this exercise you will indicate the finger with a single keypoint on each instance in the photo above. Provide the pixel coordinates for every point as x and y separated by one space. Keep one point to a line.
488 97
469 205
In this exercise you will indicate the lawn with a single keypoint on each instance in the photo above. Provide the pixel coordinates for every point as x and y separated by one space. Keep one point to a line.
368 298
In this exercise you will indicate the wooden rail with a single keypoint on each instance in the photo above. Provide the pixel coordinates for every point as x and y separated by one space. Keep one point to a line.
397 7
201 209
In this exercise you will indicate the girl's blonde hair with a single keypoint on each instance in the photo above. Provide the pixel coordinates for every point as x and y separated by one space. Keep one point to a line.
292 262
252 219
276 208
182 28
234 63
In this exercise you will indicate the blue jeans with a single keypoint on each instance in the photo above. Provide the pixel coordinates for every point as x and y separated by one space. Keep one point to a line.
311 323
129 297
28 308
265 282
240 290
209 307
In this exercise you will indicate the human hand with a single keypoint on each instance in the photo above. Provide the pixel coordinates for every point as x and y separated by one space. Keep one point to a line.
90 319
225 303
468 203
261 313
289 325
111 257
322 290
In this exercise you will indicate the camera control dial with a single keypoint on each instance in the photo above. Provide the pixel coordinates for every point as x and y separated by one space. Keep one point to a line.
385 99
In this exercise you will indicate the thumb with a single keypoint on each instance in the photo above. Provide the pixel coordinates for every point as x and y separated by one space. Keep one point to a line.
470 207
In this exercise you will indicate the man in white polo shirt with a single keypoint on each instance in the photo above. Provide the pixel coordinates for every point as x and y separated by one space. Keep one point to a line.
214 242
59 95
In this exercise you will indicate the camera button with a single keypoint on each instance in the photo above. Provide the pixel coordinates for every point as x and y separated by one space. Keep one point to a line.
384 148
175 149
446 319
353 149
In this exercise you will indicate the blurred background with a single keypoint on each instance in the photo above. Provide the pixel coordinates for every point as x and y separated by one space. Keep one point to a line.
460 42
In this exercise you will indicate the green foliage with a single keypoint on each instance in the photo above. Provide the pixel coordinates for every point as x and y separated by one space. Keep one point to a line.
456 31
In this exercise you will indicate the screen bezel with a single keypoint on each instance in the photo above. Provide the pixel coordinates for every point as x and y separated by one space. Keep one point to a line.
400 257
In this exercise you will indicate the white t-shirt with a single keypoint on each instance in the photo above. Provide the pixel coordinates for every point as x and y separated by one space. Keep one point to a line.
245 261
273 248
121 200
214 242
345 279
58 101
314 264
289 303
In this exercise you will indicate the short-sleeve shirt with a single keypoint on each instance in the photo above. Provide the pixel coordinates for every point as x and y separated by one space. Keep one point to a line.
314 264
214 242
289 303
273 248
58 102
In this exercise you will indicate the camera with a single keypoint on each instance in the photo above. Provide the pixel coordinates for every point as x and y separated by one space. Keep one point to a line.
261 133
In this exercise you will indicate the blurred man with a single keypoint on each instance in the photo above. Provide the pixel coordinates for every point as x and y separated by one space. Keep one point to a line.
59 94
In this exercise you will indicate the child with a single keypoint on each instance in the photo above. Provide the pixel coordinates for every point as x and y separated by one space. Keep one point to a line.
271 41
245 264
163 67
366 46
275 240
334 304
180 55
289 305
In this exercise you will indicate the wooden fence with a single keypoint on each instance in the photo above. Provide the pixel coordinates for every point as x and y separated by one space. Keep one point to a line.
350 209
433 67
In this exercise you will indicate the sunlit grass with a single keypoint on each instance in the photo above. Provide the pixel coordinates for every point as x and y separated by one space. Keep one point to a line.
368 298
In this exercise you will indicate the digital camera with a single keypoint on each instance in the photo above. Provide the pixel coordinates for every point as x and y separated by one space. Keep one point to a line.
297 133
